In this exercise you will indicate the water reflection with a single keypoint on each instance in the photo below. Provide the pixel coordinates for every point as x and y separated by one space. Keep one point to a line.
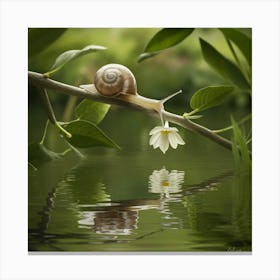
169 185
96 211
119 222
89 209
113 220
165 182
121 217
116 218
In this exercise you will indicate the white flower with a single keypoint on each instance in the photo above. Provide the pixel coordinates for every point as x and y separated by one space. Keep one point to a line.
162 136
165 182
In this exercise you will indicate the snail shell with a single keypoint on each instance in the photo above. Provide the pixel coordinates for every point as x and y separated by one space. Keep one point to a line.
114 79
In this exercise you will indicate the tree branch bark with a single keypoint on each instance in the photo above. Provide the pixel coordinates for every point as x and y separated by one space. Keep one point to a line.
143 105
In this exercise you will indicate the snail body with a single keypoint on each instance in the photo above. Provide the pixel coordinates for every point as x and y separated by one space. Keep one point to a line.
115 79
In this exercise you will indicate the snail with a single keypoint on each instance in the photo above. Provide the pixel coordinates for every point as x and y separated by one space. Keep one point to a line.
114 79
117 81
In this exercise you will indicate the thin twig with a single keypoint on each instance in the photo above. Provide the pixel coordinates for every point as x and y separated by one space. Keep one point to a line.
47 104
248 117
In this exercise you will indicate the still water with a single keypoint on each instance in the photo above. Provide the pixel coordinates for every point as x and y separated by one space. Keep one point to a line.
137 199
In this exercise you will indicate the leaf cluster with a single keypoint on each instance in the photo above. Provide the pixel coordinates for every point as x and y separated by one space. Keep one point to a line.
237 73
83 130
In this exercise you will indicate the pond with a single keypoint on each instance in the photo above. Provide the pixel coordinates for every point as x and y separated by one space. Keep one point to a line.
139 200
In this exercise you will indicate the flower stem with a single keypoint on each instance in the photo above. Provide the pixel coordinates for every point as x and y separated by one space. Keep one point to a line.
161 117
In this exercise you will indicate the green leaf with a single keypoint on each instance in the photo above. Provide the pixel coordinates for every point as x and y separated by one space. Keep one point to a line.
241 40
41 38
210 97
71 55
37 152
164 39
86 134
223 66
167 38
235 153
91 111
239 140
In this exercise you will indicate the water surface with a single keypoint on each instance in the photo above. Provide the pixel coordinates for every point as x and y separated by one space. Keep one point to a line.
139 200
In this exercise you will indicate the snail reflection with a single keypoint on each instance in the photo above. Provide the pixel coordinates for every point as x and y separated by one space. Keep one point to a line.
115 221
116 218
112 220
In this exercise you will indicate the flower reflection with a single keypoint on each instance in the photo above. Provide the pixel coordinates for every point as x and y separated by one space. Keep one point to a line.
165 182
168 185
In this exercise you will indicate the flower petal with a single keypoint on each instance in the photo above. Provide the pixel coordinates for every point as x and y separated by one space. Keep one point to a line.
173 140
154 138
180 141
173 129
164 143
155 130
155 142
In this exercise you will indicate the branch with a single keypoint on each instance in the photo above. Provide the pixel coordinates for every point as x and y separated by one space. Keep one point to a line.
135 102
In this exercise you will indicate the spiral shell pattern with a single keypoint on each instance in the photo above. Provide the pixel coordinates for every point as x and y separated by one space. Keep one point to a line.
114 79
